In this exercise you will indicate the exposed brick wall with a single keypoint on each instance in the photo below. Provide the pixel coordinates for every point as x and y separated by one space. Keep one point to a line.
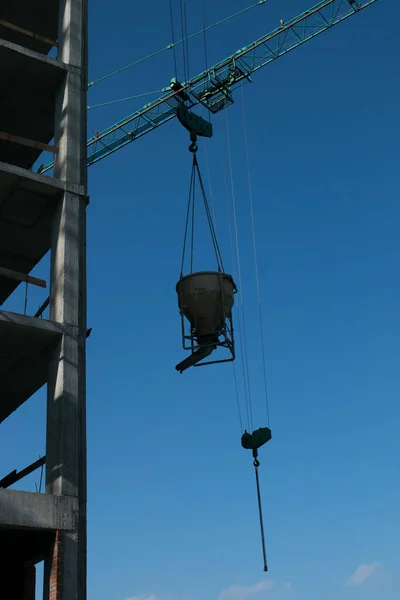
54 588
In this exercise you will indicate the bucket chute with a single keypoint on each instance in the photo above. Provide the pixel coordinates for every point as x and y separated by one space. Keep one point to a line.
205 300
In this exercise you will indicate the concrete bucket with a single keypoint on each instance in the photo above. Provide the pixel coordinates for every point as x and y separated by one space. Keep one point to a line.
206 300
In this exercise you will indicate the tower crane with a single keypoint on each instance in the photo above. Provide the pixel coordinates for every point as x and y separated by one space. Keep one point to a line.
213 88
206 298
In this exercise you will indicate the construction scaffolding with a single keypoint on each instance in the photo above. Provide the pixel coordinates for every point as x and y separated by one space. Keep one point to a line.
43 84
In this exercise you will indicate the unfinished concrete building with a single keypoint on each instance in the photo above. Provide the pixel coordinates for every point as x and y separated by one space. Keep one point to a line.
43 84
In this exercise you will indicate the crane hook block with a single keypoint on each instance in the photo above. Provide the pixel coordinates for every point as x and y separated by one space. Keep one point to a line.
194 123
259 437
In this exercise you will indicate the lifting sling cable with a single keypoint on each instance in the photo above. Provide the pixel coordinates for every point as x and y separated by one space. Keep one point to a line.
191 212
209 217
189 208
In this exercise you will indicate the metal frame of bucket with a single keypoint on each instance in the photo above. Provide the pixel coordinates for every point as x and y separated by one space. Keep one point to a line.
227 330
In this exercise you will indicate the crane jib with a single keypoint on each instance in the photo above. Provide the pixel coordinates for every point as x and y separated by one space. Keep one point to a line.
213 88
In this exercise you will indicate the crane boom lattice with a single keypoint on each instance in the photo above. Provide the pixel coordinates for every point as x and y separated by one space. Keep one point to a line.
213 88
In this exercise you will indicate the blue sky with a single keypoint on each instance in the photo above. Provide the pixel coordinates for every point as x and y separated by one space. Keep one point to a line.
172 505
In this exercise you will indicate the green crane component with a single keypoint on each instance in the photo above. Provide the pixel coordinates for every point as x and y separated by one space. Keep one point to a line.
254 441
213 88
195 124
192 122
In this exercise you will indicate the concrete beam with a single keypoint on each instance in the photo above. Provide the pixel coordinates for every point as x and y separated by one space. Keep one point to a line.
30 322
35 55
43 20
24 175
37 511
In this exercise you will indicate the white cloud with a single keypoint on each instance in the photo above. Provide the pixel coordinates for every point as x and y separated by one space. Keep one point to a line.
238 592
144 597
234 592
364 572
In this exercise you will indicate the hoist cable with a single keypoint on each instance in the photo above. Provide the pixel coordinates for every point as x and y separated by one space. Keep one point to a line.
229 219
205 46
245 353
174 44
237 397
246 391
231 243
261 519
255 259
173 37
246 357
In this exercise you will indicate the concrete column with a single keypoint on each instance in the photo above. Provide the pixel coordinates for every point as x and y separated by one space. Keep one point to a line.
66 407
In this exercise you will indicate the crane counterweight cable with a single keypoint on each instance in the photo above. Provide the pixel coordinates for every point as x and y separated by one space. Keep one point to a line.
172 46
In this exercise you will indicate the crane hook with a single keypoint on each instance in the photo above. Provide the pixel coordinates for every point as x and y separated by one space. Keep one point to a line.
193 146
256 462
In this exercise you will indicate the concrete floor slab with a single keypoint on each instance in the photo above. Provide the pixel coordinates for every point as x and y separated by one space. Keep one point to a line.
40 17
27 204
28 85
26 346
